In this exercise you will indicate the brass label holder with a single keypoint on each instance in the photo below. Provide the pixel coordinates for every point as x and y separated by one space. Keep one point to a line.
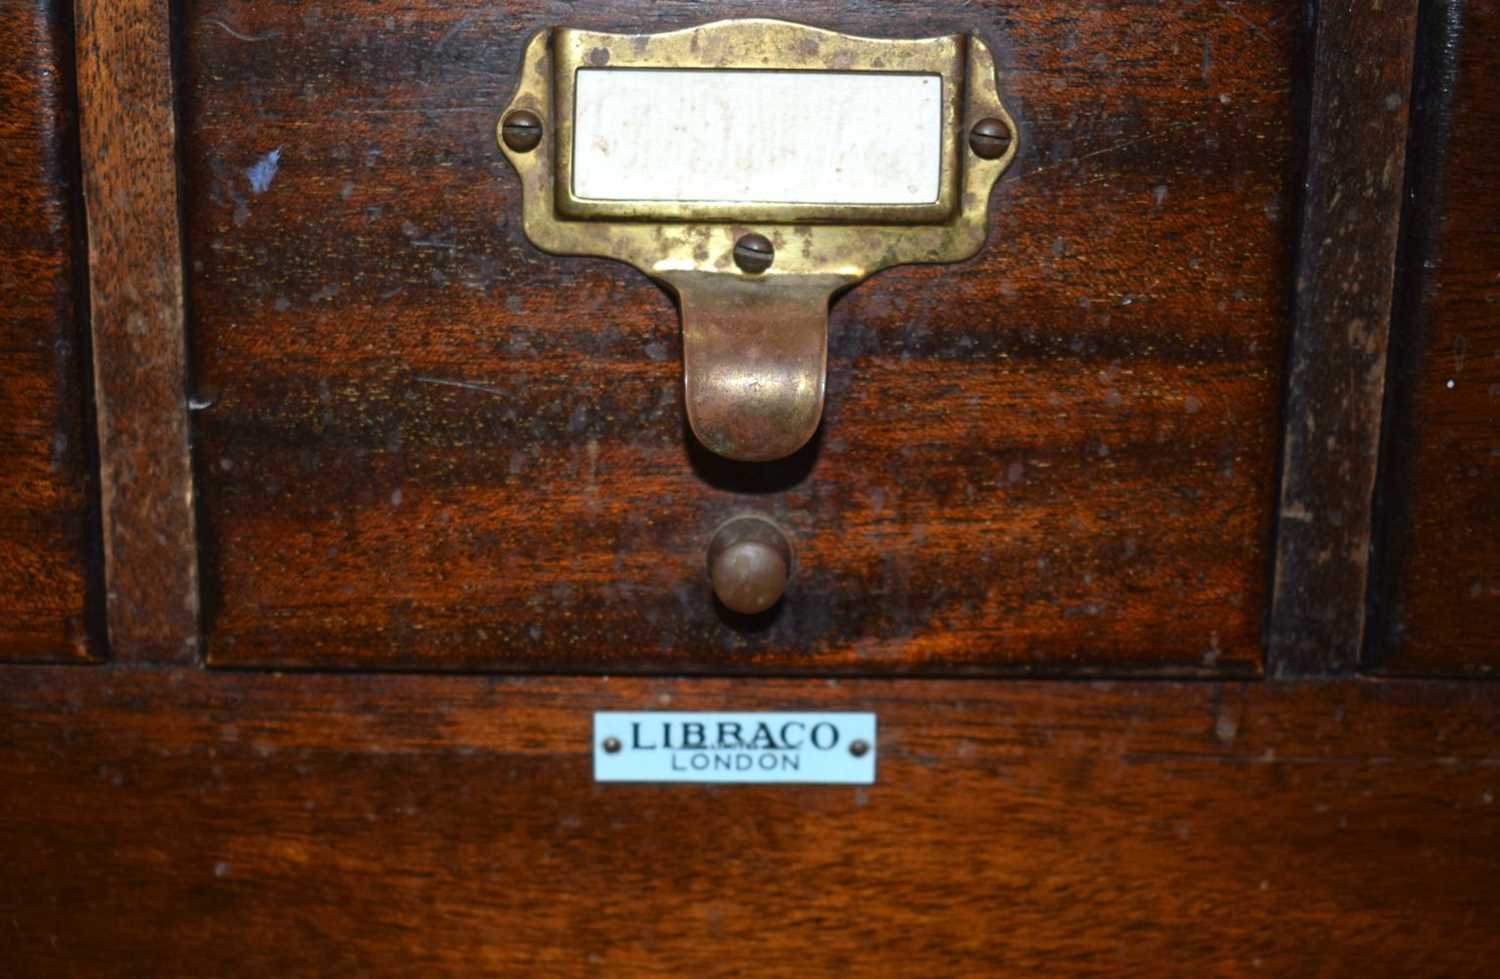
754 280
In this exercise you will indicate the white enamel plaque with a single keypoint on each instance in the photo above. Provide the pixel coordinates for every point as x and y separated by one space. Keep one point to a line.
762 137
757 748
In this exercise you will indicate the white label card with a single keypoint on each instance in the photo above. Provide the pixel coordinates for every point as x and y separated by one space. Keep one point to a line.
795 137
751 748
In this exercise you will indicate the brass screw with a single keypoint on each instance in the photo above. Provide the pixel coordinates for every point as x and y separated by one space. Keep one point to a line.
612 745
859 748
521 130
989 139
753 253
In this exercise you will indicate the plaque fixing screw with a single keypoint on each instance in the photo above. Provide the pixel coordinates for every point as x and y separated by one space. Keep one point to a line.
859 748
753 253
521 130
612 745
989 139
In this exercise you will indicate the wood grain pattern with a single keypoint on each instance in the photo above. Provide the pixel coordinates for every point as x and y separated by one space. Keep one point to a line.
1440 600
1351 221
49 587
128 136
431 446
254 825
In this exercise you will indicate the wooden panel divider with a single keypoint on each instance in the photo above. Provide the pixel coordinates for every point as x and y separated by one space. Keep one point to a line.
1351 221
128 137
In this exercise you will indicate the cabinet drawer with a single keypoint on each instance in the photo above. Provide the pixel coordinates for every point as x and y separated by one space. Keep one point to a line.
425 444
49 603
1441 491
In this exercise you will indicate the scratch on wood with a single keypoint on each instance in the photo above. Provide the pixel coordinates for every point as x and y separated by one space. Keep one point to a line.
1258 29
252 38
466 385
1112 147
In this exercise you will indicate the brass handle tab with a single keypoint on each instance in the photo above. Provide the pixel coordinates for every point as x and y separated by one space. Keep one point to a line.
755 354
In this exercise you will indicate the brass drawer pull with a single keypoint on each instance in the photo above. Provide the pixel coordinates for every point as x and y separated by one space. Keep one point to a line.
749 563
694 173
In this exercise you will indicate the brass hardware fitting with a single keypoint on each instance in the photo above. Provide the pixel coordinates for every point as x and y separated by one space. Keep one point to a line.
754 280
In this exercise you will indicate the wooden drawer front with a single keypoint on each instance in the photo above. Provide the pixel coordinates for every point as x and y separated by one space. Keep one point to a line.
1442 496
48 608
428 444
447 826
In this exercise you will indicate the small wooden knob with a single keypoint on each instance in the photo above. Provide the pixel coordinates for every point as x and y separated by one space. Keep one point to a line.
749 562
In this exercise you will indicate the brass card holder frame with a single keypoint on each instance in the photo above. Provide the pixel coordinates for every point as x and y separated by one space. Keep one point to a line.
754 280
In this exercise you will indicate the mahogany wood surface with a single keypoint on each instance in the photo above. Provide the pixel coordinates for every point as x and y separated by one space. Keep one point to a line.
425 444
128 136
1441 599
49 583
421 444
171 822
1350 227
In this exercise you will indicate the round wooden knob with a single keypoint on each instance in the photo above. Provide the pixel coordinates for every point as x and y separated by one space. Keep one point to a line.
749 562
